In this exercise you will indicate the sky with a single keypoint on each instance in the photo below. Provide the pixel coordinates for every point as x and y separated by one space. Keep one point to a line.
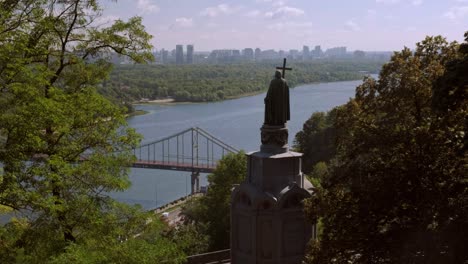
370 25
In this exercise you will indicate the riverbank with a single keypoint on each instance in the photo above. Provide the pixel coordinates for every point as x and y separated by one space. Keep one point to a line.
155 101
137 113
175 204
172 101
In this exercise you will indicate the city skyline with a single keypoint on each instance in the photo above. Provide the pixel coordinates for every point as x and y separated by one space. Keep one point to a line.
370 25
190 56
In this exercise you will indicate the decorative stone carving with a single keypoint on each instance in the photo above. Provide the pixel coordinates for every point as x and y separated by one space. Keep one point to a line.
270 203
274 135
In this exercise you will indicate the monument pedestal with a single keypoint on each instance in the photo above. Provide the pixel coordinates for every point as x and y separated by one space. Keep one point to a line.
268 224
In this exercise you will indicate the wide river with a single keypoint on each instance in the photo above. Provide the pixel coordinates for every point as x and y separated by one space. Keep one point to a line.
236 122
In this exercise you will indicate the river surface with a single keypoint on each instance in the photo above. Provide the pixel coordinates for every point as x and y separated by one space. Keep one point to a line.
236 122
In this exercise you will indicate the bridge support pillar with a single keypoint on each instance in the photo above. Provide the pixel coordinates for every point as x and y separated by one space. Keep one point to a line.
195 180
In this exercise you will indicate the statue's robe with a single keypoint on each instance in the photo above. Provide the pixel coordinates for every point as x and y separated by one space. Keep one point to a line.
277 111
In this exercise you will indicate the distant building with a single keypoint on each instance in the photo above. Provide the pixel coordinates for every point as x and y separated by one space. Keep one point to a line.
189 54
248 54
281 53
305 52
179 54
164 56
336 52
293 54
221 56
317 52
258 53
269 54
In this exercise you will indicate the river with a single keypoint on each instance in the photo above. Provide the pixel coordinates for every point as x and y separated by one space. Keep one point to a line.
236 122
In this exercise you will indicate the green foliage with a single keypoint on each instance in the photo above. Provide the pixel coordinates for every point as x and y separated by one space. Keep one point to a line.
319 173
211 213
191 238
123 234
396 191
63 146
200 83
317 140
128 252
136 239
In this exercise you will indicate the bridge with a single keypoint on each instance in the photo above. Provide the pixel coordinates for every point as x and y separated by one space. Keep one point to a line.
194 150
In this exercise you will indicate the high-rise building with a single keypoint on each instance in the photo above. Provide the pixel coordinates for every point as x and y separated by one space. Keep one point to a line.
248 53
221 56
305 52
317 52
179 54
164 55
189 54
336 52
269 54
281 53
236 53
258 53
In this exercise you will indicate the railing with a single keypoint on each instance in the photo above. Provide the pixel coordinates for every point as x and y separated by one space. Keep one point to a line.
222 256
193 149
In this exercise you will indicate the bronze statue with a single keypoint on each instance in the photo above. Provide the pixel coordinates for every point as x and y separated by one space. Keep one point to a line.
277 111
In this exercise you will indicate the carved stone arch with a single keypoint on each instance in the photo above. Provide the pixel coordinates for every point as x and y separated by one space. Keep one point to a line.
266 202
291 197
244 196
245 200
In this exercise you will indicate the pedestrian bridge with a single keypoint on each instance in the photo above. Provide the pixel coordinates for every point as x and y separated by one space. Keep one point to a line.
194 150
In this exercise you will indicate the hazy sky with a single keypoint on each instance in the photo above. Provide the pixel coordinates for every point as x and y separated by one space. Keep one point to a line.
289 24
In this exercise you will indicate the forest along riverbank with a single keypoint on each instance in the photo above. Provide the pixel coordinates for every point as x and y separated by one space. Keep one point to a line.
214 82
236 122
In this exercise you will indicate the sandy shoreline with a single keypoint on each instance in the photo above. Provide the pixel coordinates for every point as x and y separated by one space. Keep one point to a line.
157 101
162 101
173 101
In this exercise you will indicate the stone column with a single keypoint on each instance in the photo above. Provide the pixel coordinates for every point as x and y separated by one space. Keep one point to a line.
195 181
267 220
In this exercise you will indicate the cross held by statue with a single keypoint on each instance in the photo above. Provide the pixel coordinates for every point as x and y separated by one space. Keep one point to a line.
283 69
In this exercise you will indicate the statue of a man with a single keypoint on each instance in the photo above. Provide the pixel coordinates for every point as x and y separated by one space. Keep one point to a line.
277 102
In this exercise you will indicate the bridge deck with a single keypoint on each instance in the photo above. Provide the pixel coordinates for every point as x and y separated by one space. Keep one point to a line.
178 166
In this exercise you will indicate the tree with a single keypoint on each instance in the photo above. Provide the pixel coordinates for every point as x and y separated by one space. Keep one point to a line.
219 82
211 213
191 238
63 146
396 191
137 238
359 54
317 139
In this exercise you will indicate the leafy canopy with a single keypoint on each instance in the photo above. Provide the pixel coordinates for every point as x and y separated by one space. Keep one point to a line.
63 146
396 190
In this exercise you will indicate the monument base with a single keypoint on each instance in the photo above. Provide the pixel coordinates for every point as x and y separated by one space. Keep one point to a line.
268 224
274 139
